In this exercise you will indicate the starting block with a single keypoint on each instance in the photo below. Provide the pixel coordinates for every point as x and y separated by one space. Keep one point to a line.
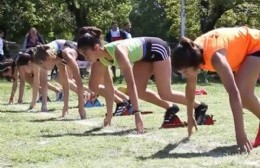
176 122
209 120
94 103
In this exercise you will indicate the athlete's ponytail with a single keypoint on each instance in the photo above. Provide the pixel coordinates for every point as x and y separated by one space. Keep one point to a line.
41 53
187 43
94 31
187 54
23 58
89 36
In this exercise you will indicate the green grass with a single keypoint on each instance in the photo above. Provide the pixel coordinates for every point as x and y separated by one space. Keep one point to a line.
35 139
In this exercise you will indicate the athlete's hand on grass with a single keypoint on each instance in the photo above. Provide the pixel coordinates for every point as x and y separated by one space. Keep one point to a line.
244 146
65 111
191 123
107 120
139 123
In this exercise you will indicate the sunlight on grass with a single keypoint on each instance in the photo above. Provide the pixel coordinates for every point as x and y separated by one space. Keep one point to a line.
36 139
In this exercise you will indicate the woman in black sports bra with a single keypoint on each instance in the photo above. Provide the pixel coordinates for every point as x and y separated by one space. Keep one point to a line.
22 68
64 57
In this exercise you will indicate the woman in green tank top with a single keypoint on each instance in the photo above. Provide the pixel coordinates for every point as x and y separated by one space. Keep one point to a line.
149 56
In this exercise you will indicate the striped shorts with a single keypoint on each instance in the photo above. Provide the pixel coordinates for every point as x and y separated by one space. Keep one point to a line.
155 49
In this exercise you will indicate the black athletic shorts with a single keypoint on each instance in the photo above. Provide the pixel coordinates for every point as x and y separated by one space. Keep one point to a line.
155 49
255 54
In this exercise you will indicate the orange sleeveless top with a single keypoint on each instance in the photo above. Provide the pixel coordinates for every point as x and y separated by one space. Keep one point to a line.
238 42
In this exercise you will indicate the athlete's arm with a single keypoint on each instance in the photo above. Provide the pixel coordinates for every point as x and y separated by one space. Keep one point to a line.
36 83
190 96
21 86
69 56
222 67
121 55
44 88
126 68
109 94
14 86
63 75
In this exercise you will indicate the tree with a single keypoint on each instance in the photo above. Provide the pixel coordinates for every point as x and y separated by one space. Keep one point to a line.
212 11
204 15
149 19
173 9
18 16
244 14
99 13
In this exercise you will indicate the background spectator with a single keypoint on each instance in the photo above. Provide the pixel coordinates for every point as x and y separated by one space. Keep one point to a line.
127 29
113 35
3 46
32 39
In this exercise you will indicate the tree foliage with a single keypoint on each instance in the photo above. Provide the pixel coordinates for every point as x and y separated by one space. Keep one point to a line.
161 18
148 19
205 15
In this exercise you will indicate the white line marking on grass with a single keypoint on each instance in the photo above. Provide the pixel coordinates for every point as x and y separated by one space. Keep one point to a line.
252 163
148 137
43 142
89 123
46 114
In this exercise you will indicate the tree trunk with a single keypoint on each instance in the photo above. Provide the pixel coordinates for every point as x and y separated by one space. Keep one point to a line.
80 13
209 17
210 13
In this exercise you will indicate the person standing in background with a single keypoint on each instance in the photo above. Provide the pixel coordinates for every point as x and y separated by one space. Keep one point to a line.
2 57
127 29
3 44
113 35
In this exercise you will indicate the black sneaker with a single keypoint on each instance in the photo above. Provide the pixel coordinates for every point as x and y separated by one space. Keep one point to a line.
120 108
200 113
40 99
170 113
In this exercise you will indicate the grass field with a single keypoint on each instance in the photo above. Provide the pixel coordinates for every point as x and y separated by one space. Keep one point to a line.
36 139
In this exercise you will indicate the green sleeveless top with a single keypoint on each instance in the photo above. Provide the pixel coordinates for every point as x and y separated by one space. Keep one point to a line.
135 48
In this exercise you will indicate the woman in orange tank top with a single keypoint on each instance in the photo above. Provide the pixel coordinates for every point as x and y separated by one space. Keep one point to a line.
224 50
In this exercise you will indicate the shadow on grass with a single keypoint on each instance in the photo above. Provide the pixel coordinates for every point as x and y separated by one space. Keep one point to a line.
217 152
93 132
25 111
55 119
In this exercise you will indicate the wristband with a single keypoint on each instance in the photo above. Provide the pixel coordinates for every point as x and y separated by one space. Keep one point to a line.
136 111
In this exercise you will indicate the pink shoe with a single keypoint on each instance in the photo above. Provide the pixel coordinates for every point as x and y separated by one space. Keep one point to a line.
256 143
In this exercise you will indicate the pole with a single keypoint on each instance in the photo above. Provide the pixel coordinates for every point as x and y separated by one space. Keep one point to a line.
183 17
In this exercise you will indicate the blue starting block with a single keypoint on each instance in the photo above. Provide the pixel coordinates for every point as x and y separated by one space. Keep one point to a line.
95 103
